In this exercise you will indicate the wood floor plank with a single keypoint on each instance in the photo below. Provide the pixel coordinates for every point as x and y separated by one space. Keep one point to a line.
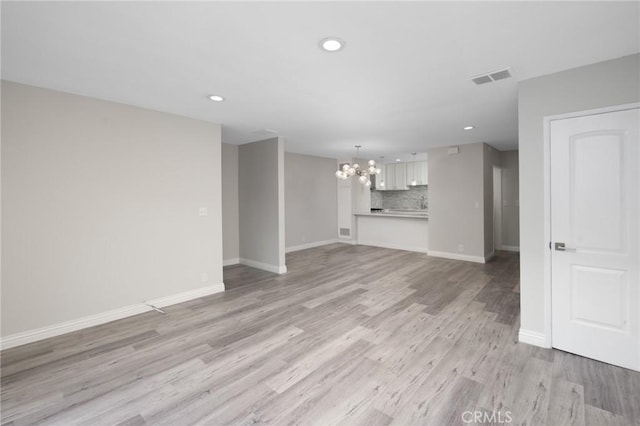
351 335
309 363
333 372
566 405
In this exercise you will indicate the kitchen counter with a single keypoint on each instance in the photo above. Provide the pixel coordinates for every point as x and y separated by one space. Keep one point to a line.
424 216
404 230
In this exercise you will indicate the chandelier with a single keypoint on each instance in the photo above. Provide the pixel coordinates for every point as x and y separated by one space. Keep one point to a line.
350 170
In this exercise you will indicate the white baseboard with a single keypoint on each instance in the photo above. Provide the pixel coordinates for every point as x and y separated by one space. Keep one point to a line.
187 295
264 266
393 246
509 248
347 241
229 262
532 338
456 256
30 336
311 245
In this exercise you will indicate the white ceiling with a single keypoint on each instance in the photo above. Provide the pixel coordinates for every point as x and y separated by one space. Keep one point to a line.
400 85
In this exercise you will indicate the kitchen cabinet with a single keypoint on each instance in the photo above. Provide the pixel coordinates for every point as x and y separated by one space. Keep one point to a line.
395 176
417 171
381 181
403 233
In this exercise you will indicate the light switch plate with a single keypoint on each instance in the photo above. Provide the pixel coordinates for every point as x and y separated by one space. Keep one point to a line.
202 211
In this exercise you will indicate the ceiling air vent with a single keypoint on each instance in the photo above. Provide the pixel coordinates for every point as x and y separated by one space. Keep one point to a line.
492 76
482 79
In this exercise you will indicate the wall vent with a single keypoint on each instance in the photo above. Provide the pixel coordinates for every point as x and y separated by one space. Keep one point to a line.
492 76
345 232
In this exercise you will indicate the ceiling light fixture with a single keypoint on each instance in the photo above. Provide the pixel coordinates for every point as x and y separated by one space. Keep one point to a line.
468 127
216 98
332 44
397 159
348 170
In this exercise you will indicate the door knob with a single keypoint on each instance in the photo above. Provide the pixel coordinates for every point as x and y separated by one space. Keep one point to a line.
562 247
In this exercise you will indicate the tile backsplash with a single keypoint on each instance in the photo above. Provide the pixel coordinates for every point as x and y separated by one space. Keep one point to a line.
409 199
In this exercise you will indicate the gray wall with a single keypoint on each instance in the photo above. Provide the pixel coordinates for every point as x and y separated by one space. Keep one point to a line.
261 203
230 204
100 206
603 84
510 199
456 200
311 213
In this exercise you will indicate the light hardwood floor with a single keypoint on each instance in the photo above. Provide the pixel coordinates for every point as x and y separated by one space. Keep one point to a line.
352 335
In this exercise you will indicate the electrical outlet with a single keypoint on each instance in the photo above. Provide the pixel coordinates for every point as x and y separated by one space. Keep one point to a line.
204 277
202 211
477 204
460 248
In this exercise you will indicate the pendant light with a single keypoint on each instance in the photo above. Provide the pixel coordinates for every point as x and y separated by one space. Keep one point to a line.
350 170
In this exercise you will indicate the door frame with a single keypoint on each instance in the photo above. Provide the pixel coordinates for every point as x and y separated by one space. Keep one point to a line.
497 212
547 202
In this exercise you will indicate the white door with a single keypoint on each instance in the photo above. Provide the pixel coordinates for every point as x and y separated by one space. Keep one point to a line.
595 204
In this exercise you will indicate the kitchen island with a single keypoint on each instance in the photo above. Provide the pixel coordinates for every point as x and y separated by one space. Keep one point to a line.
396 229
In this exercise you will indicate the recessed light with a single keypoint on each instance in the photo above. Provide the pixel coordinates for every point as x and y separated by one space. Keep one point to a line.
216 98
397 159
468 127
332 44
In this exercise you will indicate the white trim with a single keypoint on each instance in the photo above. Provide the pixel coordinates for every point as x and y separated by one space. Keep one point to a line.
187 295
546 122
311 245
229 262
30 336
497 207
264 266
533 338
456 256
347 241
392 246
509 248
282 257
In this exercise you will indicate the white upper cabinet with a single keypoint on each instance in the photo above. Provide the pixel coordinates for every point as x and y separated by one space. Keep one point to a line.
400 176
417 172
381 179
389 176
395 176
